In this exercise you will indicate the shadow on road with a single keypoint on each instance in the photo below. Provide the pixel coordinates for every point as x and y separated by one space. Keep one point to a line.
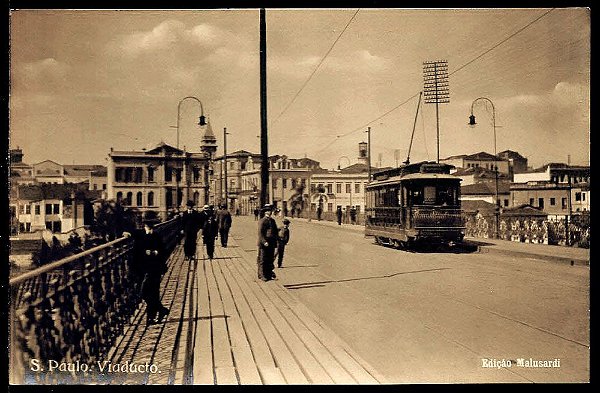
461 248
320 283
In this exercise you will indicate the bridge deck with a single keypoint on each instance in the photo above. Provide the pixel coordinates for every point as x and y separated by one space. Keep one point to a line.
227 327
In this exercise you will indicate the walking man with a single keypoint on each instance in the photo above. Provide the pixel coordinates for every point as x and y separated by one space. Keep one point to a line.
353 215
267 241
282 240
153 267
339 213
224 222
210 231
256 213
191 223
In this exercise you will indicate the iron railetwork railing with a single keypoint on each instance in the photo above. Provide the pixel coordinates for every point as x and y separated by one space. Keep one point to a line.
428 217
71 311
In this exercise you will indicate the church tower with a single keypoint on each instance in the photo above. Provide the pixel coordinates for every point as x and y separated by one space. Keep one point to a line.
209 141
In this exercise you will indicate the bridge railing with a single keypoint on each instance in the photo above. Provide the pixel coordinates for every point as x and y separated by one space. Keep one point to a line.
69 312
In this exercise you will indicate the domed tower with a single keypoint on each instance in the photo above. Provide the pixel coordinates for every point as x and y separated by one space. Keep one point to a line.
209 141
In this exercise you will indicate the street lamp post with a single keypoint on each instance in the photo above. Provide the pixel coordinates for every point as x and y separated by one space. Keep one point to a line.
202 122
472 123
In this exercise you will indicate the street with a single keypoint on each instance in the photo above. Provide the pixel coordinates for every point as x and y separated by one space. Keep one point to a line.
438 317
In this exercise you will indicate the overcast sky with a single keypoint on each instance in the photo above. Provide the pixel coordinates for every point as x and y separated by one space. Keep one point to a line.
85 81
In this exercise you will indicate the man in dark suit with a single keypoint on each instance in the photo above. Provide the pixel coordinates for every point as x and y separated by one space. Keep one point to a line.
154 265
267 241
191 224
210 230
224 221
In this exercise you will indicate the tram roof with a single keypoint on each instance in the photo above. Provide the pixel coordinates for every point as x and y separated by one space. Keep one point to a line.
415 176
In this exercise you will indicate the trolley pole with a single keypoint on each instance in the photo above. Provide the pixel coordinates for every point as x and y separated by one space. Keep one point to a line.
225 165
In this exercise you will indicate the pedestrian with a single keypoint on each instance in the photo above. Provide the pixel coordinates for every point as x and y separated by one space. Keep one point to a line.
353 215
210 231
224 222
153 267
191 224
267 241
339 214
283 237
285 211
256 213
319 212
237 211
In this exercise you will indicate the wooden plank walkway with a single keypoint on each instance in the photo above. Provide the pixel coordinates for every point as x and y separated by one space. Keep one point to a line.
226 327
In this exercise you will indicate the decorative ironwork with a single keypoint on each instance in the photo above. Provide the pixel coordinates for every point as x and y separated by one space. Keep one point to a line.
72 310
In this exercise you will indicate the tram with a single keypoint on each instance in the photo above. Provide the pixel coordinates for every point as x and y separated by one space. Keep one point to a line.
413 204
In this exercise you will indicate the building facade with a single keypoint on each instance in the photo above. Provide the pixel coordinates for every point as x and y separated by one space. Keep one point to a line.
557 189
161 179
58 208
479 160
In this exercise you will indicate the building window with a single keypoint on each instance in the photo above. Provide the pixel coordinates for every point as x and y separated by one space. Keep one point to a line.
119 197
293 183
138 174
357 188
21 227
48 208
129 198
338 188
552 201
284 183
151 198
168 174
348 188
104 186
232 165
196 174
330 207
196 198
138 199
275 181
37 209
330 188
541 203
506 203
564 203
150 174
531 201
54 226
27 227
583 196
95 187
303 182
56 209
21 209
578 197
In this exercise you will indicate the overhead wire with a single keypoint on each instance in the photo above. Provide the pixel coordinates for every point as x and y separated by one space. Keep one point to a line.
452 73
315 70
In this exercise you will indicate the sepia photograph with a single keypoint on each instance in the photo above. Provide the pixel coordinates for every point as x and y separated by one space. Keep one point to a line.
298 196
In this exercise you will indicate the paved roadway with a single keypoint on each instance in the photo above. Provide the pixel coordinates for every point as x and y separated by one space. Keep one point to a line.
433 316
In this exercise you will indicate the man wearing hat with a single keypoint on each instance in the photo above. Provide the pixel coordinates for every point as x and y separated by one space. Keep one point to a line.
267 241
224 220
191 224
153 267
210 230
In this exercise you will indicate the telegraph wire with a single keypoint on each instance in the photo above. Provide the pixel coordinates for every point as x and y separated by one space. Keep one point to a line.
452 73
315 70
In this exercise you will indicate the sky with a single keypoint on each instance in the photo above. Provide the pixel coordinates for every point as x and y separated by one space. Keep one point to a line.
83 82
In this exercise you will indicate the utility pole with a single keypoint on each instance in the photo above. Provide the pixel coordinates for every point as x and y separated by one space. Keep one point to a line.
369 151
225 164
264 147
436 89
